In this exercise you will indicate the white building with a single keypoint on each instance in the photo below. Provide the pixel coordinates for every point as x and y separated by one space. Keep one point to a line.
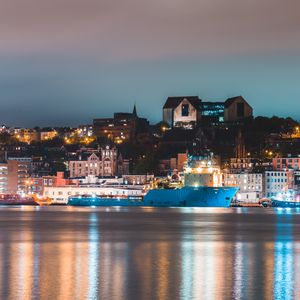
278 183
250 186
59 195
3 178
103 164
182 111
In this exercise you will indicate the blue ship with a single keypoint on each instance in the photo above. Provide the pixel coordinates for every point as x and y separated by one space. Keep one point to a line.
184 197
202 188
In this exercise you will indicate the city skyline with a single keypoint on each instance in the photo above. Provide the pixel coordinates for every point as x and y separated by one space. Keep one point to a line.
67 62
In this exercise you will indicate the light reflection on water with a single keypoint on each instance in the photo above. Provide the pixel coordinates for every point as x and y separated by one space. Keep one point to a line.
66 253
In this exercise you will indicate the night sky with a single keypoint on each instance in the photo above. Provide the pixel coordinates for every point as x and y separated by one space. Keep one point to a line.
65 62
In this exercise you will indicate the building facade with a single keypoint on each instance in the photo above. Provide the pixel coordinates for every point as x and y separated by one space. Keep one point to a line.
105 163
278 183
237 109
246 164
48 135
292 163
250 186
25 135
36 185
182 111
14 174
123 127
61 194
3 178
212 112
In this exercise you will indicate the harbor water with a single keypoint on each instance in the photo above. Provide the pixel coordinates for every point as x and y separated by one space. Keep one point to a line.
149 253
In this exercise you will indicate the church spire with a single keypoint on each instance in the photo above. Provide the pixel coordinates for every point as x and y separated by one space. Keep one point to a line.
134 113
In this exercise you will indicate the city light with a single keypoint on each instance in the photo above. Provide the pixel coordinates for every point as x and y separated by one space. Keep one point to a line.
199 170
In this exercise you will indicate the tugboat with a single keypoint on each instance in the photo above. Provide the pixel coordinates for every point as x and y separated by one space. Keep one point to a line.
287 200
202 188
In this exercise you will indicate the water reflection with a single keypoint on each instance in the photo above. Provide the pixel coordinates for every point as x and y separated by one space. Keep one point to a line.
55 253
93 257
283 257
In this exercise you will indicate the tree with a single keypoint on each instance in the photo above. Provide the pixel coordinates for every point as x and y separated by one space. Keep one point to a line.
145 164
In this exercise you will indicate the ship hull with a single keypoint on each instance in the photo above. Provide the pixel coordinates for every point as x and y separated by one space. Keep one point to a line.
7 199
286 204
184 197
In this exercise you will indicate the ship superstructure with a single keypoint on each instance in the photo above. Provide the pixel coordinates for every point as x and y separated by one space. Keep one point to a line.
202 171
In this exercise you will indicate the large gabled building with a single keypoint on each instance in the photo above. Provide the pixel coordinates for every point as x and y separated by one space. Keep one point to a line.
189 111
237 109
182 111
104 163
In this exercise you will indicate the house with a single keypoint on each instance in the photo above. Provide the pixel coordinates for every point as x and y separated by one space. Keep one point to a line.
182 111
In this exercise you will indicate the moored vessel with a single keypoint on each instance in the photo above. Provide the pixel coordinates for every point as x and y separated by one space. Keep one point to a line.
202 188
285 203
42 201
286 200
16 199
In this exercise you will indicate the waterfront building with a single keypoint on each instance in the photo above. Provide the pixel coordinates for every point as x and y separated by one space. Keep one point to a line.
246 164
297 184
36 185
279 182
104 163
137 179
237 109
94 165
182 111
3 177
14 173
284 163
60 195
250 186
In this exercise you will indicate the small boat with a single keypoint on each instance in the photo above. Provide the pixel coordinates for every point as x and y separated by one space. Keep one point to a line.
285 203
265 202
42 201
16 199
288 200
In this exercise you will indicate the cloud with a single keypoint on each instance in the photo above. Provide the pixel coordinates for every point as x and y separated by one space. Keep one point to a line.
110 30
